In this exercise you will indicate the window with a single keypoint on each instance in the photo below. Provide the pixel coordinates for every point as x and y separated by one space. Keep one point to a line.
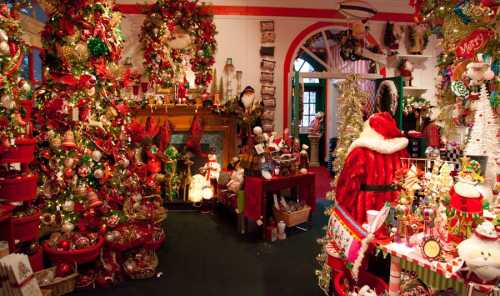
309 104
31 68
34 10
301 65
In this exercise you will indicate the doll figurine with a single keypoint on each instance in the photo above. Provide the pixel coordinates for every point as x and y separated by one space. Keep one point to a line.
304 160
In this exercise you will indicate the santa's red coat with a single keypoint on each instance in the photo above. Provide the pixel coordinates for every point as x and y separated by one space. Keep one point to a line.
364 165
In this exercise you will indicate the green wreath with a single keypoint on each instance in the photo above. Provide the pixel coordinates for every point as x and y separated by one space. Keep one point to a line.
173 33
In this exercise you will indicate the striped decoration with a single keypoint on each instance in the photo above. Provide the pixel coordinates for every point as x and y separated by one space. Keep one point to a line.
357 67
433 279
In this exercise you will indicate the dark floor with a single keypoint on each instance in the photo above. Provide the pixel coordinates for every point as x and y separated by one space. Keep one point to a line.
204 255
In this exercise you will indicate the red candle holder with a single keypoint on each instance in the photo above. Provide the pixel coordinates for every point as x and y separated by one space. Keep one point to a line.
144 87
135 89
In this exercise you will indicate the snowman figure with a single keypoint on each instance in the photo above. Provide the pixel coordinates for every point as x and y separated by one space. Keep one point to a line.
481 253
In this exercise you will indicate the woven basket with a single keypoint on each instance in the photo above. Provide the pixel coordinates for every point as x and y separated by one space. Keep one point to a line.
293 218
58 286
145 273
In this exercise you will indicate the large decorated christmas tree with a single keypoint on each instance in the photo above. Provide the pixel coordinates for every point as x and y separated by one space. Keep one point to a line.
92 180
84 164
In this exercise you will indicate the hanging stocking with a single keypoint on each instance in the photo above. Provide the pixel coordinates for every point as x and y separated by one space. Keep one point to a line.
193 141
165 136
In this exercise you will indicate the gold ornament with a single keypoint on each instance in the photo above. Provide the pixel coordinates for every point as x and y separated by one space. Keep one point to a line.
55 142
114 70
454 30
81 52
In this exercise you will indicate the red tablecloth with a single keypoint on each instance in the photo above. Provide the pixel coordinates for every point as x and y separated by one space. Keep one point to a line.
256 189
6 232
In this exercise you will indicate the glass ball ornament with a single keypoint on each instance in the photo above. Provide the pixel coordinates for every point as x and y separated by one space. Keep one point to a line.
96 155
67 227
98 173
68 206
69 162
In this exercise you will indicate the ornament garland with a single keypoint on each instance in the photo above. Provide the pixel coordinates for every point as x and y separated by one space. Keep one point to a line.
174 34
83 38
13 89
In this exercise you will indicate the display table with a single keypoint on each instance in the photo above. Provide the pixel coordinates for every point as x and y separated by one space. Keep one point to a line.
438 275
257 188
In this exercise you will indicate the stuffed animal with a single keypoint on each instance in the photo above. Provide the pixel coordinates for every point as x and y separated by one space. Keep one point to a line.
481 253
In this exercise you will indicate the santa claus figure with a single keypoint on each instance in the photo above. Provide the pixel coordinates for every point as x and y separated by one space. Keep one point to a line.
367 180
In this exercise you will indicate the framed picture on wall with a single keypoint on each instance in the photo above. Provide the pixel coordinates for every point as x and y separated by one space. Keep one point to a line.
266 26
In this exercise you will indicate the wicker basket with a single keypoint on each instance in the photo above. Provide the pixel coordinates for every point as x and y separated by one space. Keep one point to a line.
57 285
293 218
146 273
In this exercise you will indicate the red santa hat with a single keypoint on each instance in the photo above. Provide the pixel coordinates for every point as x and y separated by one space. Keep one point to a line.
486 231
384 124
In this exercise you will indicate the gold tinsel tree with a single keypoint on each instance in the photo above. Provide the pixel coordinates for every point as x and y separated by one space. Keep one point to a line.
349 120
350 124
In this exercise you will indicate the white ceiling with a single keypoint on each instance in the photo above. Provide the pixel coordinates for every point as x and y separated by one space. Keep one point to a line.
397 6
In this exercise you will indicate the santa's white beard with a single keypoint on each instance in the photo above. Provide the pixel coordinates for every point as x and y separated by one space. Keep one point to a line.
247 100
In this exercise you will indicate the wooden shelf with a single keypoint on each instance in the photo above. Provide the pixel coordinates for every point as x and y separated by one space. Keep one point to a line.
414 57
414 89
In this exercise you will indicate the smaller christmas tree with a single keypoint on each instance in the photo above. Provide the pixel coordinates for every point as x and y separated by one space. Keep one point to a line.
483 139
350 119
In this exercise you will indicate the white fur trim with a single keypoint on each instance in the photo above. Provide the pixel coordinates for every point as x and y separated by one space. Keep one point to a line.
466 190
370 139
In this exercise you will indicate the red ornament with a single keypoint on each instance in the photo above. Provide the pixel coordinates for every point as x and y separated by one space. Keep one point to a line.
103 228
68 172
64 244
63 270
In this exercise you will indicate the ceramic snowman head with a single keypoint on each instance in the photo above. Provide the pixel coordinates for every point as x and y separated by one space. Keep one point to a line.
481 252
480 71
